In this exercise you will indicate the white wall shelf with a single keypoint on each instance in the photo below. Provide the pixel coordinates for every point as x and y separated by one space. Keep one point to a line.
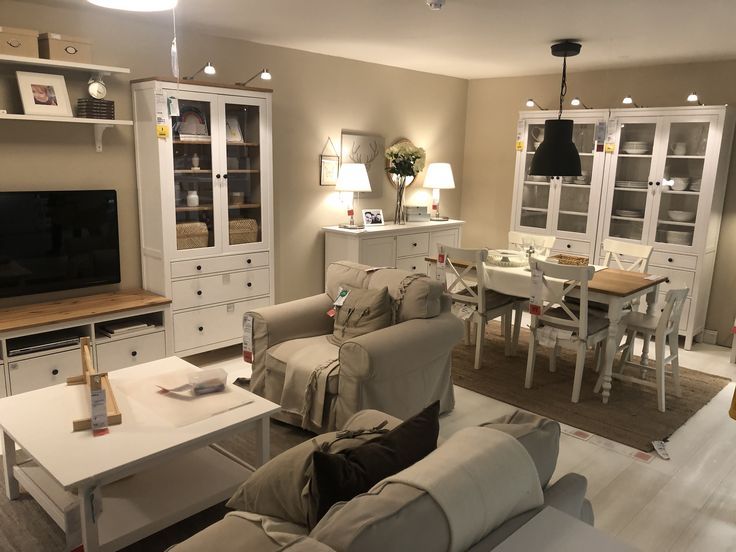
71 65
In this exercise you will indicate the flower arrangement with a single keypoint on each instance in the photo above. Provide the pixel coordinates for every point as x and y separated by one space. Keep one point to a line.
405 162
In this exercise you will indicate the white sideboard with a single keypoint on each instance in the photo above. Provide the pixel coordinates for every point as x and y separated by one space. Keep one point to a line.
404 246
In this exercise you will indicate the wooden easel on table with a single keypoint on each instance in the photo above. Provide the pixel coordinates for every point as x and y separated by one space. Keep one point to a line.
94 382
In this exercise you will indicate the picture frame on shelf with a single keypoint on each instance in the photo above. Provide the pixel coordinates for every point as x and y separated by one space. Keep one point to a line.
192 125
233 133
44 94
329 166
373 217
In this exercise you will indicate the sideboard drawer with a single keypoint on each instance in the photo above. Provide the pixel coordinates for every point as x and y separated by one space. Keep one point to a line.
412 244
443 237
232 286
412 264
37 372
211 265
112 355
676 260
210 325
573 247
678 279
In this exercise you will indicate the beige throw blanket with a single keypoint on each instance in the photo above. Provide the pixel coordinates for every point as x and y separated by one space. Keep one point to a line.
479 477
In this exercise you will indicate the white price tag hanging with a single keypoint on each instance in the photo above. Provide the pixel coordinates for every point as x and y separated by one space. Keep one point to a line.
98 407
535 297
341 296
441 269
173 106
248 339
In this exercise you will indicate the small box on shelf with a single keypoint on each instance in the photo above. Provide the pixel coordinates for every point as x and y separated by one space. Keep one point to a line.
19 42
65 48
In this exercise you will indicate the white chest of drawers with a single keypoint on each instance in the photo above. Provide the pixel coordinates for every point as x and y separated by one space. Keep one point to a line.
404 246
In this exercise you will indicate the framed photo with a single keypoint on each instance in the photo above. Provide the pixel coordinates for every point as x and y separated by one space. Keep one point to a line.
232 130
372 217
44 94
328 168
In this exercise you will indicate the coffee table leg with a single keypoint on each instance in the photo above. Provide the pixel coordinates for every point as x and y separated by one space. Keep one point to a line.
615 312
263 441
90 535
12 489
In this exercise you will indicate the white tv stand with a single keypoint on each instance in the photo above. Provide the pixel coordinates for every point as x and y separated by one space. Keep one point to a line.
81 316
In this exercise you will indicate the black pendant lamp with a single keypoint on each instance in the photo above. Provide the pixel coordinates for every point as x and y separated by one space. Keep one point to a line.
557 154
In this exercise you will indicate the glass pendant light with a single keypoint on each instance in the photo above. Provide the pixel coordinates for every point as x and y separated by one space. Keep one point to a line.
557 154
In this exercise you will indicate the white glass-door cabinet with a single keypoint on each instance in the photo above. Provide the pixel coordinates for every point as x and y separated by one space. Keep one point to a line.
664 186
565 207
204 170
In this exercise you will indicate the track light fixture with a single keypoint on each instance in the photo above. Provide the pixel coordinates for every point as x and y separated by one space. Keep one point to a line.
576 101
531 103
208 69
435 5
693 98
263 73
628 100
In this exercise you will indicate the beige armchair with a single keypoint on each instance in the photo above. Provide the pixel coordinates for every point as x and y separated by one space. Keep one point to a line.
398 369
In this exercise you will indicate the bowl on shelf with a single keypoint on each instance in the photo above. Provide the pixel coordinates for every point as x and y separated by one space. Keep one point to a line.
680 183
679 237
629 213
695 184
681 216
237 197
537 178
631 184
635 147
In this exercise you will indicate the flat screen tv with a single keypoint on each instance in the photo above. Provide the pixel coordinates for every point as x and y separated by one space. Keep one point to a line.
52 241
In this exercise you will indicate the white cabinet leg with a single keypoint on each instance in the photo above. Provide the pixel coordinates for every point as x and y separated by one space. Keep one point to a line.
89 512
12 489
263 441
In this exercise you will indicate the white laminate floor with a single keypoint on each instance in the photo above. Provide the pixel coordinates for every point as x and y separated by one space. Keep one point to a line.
685 504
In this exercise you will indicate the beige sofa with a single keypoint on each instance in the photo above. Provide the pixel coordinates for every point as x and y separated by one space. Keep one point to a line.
394 516
398 369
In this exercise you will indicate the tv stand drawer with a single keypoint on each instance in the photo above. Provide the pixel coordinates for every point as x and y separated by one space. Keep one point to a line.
121 353
42 371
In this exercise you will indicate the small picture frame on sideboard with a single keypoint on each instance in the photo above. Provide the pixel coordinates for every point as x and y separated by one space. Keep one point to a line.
373 217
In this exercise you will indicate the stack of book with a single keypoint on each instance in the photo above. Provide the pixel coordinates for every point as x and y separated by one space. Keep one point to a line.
118 328
92 108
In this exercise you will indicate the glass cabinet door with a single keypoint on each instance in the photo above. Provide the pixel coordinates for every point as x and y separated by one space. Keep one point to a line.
683 174
573 203
632 182
195 204
244 201
536 190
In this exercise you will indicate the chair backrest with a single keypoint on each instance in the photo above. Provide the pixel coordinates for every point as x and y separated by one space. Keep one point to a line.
615 249
543 244
465 274
553 294
670 319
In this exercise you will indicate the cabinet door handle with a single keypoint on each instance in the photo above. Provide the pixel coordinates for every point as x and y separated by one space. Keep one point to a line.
414 244
248 261
569 246
249 284
199 292
199 267
134 353
670 260
55 372
218 175
651 183
201 328
413 268
657 182
224 176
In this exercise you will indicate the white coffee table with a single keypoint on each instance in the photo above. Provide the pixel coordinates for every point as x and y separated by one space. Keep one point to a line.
83 482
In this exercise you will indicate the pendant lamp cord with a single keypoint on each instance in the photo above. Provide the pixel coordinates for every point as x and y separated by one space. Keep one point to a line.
563 85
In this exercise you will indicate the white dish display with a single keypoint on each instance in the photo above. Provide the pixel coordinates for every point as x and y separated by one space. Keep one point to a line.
629 213
631 184
681 216
679 237
636 148
680 183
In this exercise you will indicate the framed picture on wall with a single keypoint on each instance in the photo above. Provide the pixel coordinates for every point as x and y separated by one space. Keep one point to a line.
44 94
329 166
372 217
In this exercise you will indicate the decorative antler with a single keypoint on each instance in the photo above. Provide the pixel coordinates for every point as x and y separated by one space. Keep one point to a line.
356 157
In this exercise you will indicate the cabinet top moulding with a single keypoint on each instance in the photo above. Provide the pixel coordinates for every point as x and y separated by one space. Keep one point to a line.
72 65
203 83
78 308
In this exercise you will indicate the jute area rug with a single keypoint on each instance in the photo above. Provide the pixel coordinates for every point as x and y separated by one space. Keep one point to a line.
630 417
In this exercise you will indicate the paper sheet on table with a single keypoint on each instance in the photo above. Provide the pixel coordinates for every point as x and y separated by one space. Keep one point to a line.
172 407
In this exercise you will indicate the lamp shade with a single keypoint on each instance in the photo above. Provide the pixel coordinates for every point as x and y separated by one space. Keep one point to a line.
557 154
136 5
353 177
439 177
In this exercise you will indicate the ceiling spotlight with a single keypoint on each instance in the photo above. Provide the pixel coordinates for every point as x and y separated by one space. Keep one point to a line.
693 98
576 101
208 69
628 100
136 5
531 103
435 5
263 73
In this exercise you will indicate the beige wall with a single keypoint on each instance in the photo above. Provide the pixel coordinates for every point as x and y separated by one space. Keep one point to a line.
493 106
315 97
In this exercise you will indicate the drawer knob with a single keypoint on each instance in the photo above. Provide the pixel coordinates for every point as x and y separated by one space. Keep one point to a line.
199 267
670 260
569 246
134 353
651 183
201 328
247 261
199 292
55 372
413 268
249 284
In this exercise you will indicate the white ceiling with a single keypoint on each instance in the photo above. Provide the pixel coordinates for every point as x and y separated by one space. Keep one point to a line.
480 38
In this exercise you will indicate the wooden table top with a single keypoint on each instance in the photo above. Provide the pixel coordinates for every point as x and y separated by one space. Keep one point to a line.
609 281
77 308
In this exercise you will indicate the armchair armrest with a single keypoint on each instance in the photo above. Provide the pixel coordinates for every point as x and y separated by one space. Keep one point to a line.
567 494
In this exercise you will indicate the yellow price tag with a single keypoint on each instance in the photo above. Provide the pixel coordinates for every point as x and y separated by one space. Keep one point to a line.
519 145
610 147
162 131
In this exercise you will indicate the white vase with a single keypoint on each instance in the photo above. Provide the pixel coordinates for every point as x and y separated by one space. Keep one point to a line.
192 198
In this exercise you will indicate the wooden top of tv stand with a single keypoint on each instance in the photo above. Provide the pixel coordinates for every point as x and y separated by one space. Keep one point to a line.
77 308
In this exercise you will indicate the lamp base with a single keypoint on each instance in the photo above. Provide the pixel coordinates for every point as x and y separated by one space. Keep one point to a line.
351 226
439 219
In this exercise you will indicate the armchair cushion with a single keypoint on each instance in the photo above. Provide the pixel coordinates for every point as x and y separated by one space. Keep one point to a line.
414 295
310 351
363 311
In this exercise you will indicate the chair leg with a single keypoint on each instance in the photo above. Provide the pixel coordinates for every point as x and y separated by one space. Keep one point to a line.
597 357
507 338
579 366
480 330
673 338
504 318
531 357
659 367
517 327
553 358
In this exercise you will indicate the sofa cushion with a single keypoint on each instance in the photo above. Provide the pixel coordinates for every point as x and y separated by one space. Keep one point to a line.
230 534
280 488
540 437
317 351
363 311
346 474
414 295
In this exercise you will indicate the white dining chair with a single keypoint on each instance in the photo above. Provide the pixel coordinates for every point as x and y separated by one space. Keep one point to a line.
555 311
542 243
665 329
616 253
465 283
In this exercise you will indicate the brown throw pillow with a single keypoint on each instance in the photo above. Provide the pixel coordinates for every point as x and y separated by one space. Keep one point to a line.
348 473
364 311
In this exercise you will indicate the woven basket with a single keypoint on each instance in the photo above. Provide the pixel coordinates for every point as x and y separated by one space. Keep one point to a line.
573 260
243 231
190 235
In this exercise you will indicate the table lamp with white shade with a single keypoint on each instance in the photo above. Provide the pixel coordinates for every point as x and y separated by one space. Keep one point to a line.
352 178
439 177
